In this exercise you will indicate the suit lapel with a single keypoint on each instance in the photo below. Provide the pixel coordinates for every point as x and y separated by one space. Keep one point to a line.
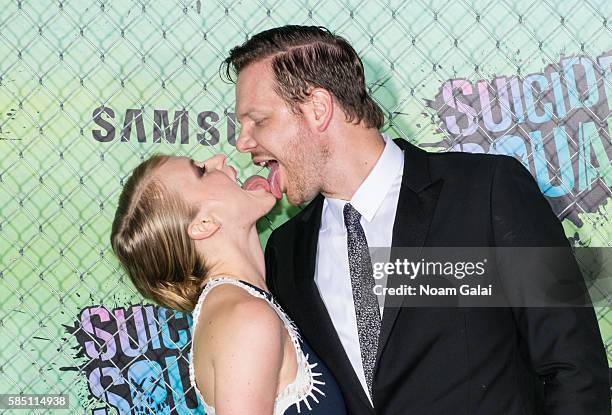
415 208
314 321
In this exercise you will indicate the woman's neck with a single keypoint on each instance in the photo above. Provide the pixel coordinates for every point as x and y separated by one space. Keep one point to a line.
238 256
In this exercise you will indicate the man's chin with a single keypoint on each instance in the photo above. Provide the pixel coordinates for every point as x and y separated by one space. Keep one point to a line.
298 199
292 198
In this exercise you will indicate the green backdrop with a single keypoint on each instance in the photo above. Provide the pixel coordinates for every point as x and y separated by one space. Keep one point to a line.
88 89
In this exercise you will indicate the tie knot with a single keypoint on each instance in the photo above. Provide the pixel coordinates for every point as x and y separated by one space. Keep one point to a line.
351 216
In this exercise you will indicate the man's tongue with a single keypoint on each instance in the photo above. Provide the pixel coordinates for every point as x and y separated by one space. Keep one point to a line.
274 180
271 185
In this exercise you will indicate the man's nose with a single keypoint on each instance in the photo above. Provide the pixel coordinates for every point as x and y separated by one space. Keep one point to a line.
245 142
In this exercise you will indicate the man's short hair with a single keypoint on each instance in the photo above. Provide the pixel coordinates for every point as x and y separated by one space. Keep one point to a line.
307 57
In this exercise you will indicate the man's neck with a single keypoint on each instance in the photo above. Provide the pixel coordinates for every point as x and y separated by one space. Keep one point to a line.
354 156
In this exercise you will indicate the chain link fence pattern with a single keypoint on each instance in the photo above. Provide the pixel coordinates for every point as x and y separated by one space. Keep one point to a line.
88 89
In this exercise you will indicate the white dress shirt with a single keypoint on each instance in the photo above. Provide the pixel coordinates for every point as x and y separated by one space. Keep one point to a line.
376 201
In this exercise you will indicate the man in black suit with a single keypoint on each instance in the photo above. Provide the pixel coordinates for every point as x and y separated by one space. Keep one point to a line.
305 114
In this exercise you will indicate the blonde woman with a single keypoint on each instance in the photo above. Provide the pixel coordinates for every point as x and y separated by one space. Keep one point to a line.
185 233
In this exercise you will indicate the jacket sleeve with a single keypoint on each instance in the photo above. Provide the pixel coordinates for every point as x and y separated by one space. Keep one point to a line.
563 344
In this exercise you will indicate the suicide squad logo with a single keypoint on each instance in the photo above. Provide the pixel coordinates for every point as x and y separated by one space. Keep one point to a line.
135 360
557 122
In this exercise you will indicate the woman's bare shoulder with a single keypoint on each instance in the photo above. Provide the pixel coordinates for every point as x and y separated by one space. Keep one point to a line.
231 314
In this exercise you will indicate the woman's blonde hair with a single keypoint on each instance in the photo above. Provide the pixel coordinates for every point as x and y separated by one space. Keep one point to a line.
149 236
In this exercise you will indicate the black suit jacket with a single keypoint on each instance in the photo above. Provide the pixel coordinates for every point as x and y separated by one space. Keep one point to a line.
455 361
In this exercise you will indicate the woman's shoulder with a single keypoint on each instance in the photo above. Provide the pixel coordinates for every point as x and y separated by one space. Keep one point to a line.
242 339
230 313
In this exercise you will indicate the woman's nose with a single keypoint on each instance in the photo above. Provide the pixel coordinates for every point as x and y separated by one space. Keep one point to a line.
222 158
216 162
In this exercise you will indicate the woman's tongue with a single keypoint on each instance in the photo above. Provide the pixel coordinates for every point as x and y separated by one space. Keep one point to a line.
256 182
271 185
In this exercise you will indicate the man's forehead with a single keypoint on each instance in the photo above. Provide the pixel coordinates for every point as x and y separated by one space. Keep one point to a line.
258 68
257 76
250 102
246 97
255 89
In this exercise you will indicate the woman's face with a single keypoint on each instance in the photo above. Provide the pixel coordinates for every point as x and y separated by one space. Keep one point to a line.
212 186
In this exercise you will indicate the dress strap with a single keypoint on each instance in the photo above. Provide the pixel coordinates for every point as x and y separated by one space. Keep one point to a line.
254 291
259 290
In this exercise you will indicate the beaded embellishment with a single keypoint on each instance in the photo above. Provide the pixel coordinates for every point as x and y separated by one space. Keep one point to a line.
302 390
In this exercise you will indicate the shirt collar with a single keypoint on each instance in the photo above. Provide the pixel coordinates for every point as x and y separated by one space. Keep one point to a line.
372 192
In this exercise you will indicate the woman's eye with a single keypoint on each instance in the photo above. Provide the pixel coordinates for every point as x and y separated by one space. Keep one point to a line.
202 170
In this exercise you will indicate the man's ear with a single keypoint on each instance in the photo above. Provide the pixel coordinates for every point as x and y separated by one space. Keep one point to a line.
320 109
202 228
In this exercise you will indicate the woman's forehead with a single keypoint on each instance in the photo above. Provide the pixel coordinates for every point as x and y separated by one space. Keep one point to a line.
174 168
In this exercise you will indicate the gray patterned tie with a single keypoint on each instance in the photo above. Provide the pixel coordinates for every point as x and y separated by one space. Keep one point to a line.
362 281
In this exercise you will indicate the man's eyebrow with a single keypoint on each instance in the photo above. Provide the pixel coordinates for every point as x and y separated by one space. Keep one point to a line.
248 113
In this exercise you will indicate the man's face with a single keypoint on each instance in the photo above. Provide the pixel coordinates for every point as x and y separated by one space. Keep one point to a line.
270 131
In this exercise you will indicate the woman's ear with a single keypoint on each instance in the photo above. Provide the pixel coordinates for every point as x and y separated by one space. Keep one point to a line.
202 228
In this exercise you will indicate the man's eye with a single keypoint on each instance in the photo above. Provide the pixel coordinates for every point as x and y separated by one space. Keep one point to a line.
259 122
202 170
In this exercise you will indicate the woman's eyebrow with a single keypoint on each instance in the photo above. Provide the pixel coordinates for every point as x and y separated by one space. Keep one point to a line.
195 168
